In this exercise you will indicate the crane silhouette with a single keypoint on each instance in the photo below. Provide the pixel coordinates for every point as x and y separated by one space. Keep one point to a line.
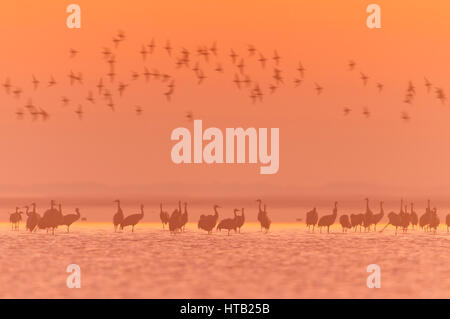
15 219
132 220
69 219
118 217
208 222
33 219
163 215
228 223
240 219
311 219
328 220
345 223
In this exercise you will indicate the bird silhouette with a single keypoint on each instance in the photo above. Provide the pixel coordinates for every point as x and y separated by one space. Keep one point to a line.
434 220
132 220
184 217
118 216
69 219
175 220
265 220
15 219
368 217
208 222
163 215
424 220
345 223
276 57
364 78
413 216
328 220
73 53
311 219
35 83
318 88
228 223
239 219
351 65
260 211
51 218
376 218
7 85
301 69
33 219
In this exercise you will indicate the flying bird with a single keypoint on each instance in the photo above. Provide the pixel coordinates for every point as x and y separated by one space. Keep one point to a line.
351 65
73 53
52 81
276 57
138 110
233 56
364 78
428 85
366 112
79 112
213 48
100 86
380 87
405 116
168 48
143 52
151 46
262 60
318 88
297 82
251 50
301 69
7 85
35 83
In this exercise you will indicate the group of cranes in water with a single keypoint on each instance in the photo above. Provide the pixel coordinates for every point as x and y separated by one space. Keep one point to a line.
52 218
177 220
368 220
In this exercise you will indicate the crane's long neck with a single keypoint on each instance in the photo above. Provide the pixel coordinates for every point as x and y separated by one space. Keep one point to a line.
216 213
34 208
259 206
367 204
381 207
142 211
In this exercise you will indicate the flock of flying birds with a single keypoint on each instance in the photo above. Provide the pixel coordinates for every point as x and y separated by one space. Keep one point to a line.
205 56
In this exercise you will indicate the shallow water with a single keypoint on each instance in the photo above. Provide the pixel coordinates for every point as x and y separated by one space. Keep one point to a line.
288 262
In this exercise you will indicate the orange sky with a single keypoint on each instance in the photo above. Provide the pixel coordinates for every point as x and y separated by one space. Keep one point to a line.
321 151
